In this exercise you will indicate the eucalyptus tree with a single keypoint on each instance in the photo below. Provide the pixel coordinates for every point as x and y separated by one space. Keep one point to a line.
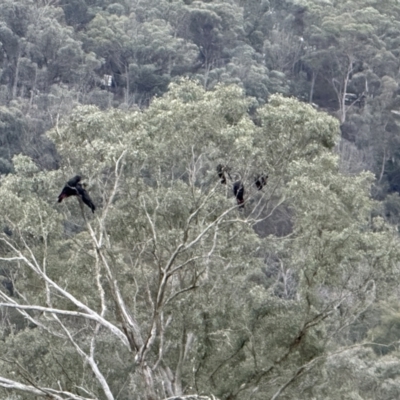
215 28
139 55
170 289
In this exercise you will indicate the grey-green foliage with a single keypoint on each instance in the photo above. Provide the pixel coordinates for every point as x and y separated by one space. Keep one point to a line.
216 308
306 50
12 127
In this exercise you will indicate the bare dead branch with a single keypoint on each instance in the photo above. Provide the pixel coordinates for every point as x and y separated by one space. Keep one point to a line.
41 391
95 316
89 359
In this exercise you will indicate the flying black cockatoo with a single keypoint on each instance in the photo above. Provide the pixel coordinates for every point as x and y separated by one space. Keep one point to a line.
261 181
238 191
75 188
222 170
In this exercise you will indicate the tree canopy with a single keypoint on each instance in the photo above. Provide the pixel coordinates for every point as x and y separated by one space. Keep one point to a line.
170 289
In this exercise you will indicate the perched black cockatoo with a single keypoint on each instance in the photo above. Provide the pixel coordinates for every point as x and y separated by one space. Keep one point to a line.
238 191
75 188
261 181
70 188
223 171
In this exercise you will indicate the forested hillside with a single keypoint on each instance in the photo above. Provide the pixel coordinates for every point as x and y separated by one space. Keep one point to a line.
242 161
341 56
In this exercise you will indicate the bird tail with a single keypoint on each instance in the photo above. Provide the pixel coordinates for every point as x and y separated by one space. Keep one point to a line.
240 203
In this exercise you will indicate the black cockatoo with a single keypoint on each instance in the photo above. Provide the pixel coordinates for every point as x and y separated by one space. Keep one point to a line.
75 188
70 188
261 181
238 191
223 171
